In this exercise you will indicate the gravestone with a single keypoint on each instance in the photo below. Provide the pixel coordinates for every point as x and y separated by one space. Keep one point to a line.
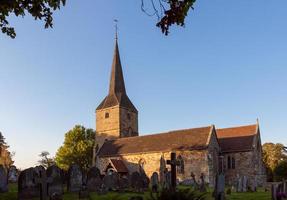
253 185
195 184
111 181
219 187
124 183
274 192
75 178
168 184
162 169
12 174
154 182
3 180
42 181
94 180
173 162
55 186
239 184
244 184
202 183
27 187
136 182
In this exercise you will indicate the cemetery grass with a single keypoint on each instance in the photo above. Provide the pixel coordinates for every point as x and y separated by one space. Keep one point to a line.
259 195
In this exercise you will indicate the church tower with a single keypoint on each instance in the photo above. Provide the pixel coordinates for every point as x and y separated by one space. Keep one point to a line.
116 116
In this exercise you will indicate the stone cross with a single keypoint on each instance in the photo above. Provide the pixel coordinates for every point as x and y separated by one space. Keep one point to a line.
173 162
43 182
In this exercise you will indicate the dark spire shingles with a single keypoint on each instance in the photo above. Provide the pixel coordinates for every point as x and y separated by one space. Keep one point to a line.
117 91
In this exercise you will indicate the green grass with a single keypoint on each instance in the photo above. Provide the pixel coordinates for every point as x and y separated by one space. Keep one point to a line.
259 195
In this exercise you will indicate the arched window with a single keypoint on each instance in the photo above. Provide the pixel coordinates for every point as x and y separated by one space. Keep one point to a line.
107 115
228 162
180 166
233 163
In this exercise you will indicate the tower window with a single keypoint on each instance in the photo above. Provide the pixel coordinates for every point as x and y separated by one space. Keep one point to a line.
107 115
129 116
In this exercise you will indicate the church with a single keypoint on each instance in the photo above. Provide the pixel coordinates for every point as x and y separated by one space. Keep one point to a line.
235 151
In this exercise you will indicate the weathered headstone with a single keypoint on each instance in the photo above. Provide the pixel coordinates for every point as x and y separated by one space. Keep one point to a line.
12 174
124 183
195 184
3 179
239 184
27 188
42 181
162 169
94 180
136 182
168 183
219 187
75 179
244 184
173 162
111 181
202 183
274 192
154 182
55 187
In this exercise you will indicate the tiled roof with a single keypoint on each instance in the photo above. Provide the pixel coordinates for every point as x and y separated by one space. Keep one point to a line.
119 166
117 91
188 139
237 139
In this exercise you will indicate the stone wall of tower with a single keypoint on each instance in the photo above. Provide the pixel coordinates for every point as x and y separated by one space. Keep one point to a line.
129 123
108 126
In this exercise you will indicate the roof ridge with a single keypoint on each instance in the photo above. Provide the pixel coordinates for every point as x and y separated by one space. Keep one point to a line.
242 126
167 132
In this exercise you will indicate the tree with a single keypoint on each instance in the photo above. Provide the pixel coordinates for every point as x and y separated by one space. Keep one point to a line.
45 160
273 155
77 148
280 171
5 155
39 9
168 12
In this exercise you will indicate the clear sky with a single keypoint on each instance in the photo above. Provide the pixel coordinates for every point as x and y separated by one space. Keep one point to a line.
227 67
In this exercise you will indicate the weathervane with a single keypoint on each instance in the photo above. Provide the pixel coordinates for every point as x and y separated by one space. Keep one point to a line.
116 27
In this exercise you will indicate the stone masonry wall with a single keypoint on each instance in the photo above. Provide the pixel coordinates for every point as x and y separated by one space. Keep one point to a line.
194 161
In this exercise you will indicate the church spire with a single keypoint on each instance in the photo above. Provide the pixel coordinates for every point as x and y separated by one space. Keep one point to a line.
117 83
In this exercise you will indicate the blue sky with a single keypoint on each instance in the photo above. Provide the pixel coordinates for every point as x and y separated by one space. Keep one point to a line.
226 67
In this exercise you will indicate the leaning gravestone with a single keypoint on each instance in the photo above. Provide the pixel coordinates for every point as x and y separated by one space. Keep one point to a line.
27 188
55 187
154 182
75 179
94 181
12 174
3 180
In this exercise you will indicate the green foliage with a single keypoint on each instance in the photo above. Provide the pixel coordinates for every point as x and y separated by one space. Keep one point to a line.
5 155
176 14
39 9
280 171
45 160
274 157
77 148
185 194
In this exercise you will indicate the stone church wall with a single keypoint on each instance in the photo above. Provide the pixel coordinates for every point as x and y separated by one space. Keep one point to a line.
246 164
194 161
